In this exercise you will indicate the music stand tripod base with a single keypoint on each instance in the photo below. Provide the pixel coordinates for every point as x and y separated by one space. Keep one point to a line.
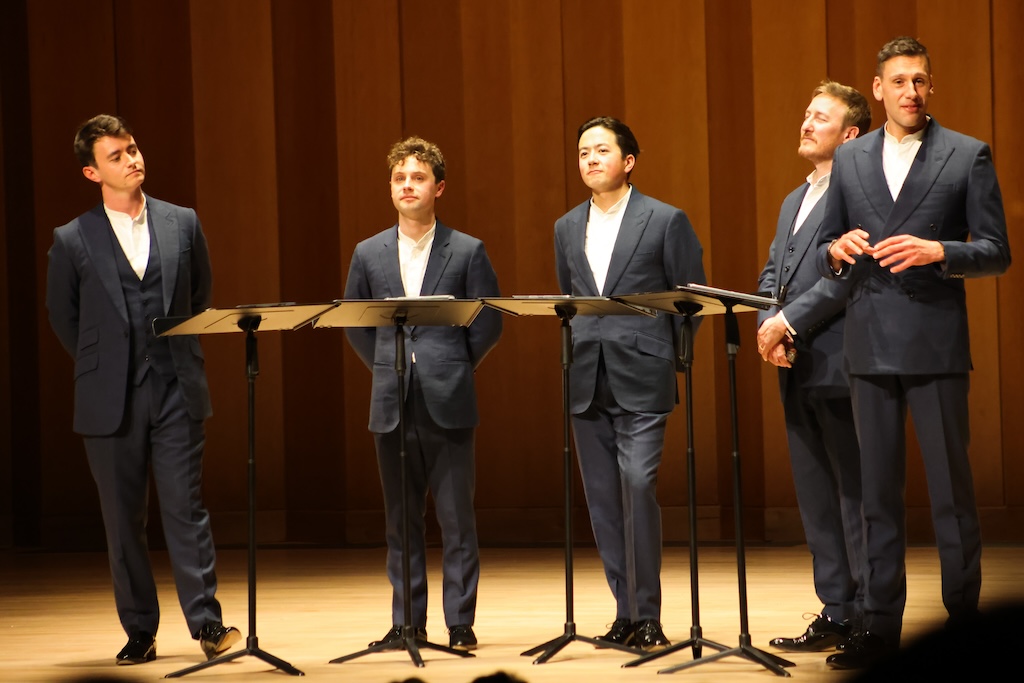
566 307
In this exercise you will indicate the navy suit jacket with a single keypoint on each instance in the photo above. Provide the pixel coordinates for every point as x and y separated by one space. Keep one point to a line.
446 357
814 306
656 249
87 309
915 322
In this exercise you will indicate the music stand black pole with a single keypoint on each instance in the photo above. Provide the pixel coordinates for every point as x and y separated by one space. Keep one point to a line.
398 313
566 307
696 641
720 301
248 319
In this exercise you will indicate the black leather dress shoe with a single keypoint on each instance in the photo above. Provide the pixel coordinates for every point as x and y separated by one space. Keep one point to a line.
461 637
141 648
822 634
622 632
861 651
395 635
215 638
650 637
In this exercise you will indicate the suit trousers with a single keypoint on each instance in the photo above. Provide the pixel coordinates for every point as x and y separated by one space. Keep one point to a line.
825 460
938 404
157 434
441 461
619 453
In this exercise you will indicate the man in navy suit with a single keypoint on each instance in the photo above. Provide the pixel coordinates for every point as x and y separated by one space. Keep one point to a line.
622 379
808 323
420 256
913 209
140 400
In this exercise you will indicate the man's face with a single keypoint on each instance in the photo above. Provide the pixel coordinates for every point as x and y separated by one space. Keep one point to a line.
823 130
118 164
413 188
904 88
601 164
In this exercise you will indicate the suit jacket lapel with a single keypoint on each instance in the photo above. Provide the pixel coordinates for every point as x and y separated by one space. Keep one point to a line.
100 242
440 254
804 239
868 165
634 221
165 229
389 264
928 163
578 254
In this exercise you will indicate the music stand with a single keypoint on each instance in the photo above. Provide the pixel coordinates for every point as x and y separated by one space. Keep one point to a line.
700 300
566 307
283 316
397 313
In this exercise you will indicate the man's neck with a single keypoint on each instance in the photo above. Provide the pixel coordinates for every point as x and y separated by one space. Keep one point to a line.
606 200
126 202
415 228
821 169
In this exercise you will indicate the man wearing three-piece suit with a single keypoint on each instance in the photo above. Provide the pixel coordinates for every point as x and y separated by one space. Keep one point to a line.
808 323
420 256
140 400
622 378
913 209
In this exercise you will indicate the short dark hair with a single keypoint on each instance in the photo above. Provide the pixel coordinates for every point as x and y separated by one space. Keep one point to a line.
858 111
902 46
97 127
424 151
623 135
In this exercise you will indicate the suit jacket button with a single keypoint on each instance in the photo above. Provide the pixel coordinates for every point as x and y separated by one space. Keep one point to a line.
791 250
786 269
413 338
932 227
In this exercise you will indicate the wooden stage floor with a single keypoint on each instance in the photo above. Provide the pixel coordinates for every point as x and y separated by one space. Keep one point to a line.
58 624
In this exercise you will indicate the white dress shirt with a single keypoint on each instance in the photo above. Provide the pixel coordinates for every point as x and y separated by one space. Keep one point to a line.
602 230
412 259
133 236
897 158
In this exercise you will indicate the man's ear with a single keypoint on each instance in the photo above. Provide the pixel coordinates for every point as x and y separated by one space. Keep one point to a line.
440 189
851 133
90 173
630 162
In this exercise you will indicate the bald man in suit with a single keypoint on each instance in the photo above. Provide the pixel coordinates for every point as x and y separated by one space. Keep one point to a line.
913 209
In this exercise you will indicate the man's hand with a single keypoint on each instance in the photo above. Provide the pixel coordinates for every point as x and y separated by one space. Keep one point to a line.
906 251
843 250
769 341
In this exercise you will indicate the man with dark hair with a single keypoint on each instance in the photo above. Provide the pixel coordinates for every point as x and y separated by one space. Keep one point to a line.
622 379
913 209
140 400
420 256
808 324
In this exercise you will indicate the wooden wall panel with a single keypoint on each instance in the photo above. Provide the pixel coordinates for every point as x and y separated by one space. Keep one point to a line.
665 87
308 242
63 95
368 51
237 201
777 115
273 119
1008 149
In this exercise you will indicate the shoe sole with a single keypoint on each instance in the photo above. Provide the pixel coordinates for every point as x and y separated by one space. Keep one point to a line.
149 657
